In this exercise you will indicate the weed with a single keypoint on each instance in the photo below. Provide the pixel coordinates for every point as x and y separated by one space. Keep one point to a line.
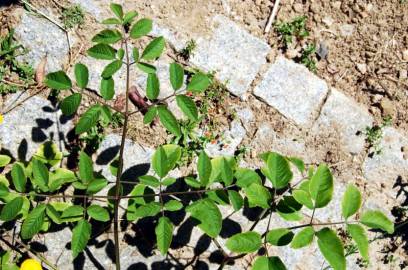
374 135
295 28
72 16
187 52
307 57
17 75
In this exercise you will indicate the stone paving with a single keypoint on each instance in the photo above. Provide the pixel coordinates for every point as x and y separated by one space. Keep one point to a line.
238 58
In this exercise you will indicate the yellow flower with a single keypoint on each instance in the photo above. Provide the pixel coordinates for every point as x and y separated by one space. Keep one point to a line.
1 118
30 264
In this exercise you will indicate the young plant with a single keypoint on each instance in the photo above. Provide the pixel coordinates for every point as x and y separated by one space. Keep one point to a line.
34 192
72 16
13 74
374 135
307 57
188 51
295 28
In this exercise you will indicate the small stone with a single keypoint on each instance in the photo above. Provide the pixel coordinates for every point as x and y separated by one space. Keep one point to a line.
346 30
298 7
293 90
387 107
292 53
323 50
362 67
405 55
336 4
328 21
403 74
376 98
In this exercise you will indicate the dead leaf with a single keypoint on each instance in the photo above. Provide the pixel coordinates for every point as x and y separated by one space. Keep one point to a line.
40 71
137 99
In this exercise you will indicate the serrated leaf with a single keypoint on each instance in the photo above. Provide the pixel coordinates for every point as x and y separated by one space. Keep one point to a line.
129 16
154 49
111 69
98 213
321 186
187 106
159 162
208 214
117 10
72 213
149 180
303 238
226 172
300 165
257 195
246 177
141 28
102 51
111 21
192 182
150 115
147 210
359 236
176 76
88 120
268 263
169 121
40 174
107 36
4 160
107 88
236 199
289 209
332 248
80 237
169 181
377 220
279 237
135 54
33 222
198 83
173 205
152 86
351 201
58 80
277 170
86 173
11 209
18 177
81 75
204 168
96 185
146 67
303 198
164 234
246 242
53 214
70 104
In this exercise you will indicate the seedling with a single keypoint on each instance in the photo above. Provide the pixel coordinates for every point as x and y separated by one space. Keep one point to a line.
14 75
308 57
37 193
374 135
188 51
295 28
72 16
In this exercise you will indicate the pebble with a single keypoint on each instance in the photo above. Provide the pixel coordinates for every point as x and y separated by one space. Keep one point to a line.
362 67
346 30
328 21
405 55
403 74
387 107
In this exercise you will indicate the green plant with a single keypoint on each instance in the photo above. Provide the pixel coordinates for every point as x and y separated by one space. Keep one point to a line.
295 28
14 75
307 57
374 135
34 192
72 16
187 51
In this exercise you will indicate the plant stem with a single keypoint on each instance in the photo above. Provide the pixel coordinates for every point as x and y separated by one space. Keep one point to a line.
120 166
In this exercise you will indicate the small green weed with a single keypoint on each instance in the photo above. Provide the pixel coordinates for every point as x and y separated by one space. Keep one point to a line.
374 135
72 16
307 57
11 70
295 28
187 52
